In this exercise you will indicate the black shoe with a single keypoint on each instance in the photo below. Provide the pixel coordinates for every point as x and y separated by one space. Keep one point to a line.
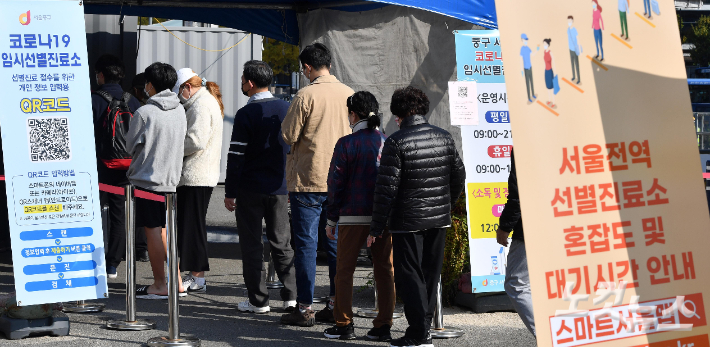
325 315
342 333
142 256
298 318
380 334
410 342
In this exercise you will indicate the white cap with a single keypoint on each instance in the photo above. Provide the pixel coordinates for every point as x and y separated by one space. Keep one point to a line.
184 75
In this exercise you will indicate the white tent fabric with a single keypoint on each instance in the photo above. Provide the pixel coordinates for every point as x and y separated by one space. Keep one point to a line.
389 48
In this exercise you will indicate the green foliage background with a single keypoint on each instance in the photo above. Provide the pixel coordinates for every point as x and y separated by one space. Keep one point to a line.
282 57
700 37
456 258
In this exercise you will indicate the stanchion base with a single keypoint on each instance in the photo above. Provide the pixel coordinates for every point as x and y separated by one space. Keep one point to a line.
274 285
372 313
140 324
446 333
320 300
83 308
183 341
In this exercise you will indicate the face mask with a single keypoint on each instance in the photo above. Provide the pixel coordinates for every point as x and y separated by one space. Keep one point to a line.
525 42
570 23
245 92
97 79
546 46
594 6
146 91
182 98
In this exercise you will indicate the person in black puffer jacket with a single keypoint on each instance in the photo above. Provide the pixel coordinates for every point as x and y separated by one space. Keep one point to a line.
421 176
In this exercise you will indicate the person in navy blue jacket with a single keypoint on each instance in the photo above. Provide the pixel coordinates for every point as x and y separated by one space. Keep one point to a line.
256 188
351 190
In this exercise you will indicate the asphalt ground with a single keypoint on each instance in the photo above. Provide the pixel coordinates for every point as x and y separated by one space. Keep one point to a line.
213 316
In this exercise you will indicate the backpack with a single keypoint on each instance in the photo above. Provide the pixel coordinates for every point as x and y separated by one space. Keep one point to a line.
111 133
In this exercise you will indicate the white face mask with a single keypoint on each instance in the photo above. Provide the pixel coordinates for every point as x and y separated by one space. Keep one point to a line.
146 91
182 98
570 23
525 42
546 46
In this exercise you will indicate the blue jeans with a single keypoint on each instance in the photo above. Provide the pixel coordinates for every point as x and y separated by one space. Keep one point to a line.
647 7
307 218
598 41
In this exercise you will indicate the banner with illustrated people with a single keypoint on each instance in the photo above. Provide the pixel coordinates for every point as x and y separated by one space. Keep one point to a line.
486 153
50 160
613 204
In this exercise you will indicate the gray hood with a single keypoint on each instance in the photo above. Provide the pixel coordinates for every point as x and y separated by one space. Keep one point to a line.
165 100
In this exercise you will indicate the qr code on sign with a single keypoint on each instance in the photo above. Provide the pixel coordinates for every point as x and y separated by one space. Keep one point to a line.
49 139
463 92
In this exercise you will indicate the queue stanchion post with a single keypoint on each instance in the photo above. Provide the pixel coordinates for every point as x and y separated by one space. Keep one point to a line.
174 339
439 331
131 323
83 307
271 281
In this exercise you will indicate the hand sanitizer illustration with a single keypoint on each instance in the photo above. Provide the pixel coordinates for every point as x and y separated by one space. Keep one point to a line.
496 260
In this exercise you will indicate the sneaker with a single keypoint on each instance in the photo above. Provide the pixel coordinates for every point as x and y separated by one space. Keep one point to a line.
142 256
380 334
246 306
189 282
342 333
325 315
305 319
111 272
290 306
410 342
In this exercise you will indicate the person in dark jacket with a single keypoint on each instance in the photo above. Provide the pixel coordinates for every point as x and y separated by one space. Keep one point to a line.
109 73
256 188
421 176
517 280
351 190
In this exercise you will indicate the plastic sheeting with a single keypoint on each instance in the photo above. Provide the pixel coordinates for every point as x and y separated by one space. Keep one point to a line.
282 24
389 48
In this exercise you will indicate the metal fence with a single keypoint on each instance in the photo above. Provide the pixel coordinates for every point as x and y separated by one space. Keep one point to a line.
224 68
702 128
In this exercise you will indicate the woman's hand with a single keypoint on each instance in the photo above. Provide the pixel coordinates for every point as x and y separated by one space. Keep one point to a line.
330 232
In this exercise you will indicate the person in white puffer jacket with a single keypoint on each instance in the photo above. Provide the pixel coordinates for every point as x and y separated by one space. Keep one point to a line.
200 173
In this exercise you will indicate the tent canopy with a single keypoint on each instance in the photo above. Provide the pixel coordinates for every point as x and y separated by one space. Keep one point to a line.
277 19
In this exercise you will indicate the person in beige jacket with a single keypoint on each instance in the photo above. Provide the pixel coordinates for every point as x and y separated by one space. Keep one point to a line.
316 119
200 173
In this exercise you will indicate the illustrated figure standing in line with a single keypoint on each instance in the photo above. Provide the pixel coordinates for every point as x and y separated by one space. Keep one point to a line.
549 73
623 9
575 49
598 26
526 53
647 8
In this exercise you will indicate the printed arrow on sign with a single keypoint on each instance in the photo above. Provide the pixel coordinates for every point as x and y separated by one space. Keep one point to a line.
58 242
59 259
61 276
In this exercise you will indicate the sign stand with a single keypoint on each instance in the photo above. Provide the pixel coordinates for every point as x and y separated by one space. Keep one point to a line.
82 307
131 323
271 281
373 312
439 331
173 339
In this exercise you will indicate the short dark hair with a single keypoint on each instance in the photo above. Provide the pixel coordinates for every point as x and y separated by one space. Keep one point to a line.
570 17
316 55
258 72
548 41
112 67
162 76
364 104
138 81
408 102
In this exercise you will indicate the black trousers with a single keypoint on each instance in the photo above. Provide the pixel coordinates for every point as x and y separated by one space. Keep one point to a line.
4 218
418 258
115 235
192 204
251 209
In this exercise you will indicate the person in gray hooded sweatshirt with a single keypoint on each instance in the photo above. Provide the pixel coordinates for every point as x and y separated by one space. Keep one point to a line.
156 140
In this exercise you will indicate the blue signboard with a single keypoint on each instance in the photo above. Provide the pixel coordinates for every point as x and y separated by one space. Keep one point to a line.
50 160
478 56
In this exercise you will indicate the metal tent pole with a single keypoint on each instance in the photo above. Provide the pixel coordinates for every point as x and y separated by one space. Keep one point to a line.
173 339
439 331
131 323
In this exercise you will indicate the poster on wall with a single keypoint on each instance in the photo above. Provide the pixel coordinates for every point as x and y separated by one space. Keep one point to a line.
613 204
51 178
486 151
